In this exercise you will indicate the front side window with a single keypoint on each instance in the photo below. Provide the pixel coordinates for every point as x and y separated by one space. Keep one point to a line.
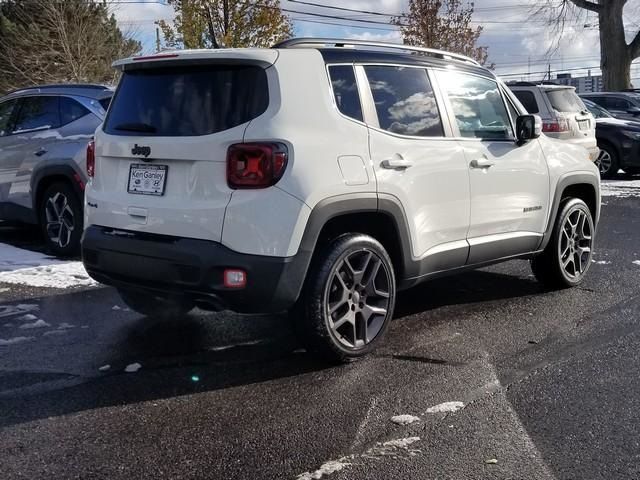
345 90
404 101
616 103
6 117
37 113
478 106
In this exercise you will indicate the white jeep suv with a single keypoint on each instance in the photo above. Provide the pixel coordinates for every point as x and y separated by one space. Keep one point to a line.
320 177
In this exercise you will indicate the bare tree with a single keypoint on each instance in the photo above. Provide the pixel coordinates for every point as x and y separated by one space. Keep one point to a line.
442 24
226 23
45 41
616 55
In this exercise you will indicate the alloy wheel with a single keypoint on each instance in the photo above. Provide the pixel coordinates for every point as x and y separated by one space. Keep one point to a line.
60 220
604 162
575 245
357 298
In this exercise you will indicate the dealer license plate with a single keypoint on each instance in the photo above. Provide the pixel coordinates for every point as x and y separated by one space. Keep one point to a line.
147 179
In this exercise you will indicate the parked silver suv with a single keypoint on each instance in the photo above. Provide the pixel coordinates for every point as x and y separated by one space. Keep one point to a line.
44 132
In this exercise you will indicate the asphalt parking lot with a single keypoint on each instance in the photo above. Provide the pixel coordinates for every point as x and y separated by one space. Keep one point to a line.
501 378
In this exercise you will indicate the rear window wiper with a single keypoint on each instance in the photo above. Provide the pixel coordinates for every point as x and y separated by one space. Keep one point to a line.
136 127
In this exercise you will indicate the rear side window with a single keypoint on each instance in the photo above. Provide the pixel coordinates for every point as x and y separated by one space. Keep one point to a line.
565 100
478 106
71 110
404 101
345 90
37 113
6 114
528 100
187 101
617 103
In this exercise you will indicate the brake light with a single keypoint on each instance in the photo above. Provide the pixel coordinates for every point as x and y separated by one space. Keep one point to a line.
556 126
255 165
91 159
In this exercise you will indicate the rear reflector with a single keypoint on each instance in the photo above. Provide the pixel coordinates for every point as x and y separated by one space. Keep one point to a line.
255 165
91 159
234 278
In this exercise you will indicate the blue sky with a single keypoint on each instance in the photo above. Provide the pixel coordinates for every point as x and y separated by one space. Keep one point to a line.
518 41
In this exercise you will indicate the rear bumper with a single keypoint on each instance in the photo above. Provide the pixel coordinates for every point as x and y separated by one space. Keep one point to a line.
194 268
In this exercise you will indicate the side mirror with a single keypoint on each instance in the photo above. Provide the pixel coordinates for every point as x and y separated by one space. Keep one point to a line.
528 127
634 111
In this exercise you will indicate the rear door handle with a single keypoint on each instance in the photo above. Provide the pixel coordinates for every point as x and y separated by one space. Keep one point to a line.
481 163
40 152
396 163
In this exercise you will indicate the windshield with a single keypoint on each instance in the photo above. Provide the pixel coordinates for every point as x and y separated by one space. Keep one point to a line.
565 100
187 101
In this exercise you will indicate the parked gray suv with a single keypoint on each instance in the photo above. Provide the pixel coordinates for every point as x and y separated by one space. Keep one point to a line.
44 132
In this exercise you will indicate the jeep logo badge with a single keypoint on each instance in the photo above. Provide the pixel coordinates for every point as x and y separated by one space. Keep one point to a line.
141 150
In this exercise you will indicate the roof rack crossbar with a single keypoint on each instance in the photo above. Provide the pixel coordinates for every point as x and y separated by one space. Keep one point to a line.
335 42
89 86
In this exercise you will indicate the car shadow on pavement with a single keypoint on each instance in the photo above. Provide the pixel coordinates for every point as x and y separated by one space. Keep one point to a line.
471 287
202 353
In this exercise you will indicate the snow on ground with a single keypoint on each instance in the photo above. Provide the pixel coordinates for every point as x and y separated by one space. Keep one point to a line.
24 267
602 262
636 262
11 341
624 189
37 324
446 407
393 448
132 368
405 419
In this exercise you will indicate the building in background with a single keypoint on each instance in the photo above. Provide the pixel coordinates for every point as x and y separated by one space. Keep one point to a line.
583 84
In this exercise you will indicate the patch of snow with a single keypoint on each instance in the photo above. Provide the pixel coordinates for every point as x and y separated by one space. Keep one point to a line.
29 317
37 324
65 325
636 262
54 332
10 310
28 307
85 326
405 419
602 262
14 340
65 275
116 307
325 469
132 367
401 442
8 325
3 290
104 368
13 258
446 407
620 189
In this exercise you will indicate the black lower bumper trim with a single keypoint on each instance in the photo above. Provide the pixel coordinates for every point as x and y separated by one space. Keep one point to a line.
194 268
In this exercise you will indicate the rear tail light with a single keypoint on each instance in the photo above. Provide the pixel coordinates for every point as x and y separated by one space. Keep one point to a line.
255 165
91 159
556 126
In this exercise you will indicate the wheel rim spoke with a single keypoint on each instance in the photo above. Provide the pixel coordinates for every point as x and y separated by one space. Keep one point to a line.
60 221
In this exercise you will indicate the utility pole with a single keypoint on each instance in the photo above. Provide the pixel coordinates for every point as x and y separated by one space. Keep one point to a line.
529 68
549 72
157 39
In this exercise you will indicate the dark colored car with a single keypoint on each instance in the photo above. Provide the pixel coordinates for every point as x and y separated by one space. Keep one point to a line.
623 105
619 142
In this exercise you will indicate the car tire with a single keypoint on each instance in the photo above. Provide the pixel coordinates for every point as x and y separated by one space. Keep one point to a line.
155 306
61 221
607 161
348 299
568 255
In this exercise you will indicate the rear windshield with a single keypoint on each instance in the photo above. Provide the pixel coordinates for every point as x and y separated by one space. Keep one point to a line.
187 101
565 100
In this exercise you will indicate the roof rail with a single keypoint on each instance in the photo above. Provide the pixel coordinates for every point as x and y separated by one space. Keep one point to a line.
89 86
336 42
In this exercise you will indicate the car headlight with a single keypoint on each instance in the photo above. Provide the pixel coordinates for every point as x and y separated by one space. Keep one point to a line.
631 134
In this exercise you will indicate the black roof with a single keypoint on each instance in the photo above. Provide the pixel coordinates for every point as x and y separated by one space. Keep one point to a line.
352 55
